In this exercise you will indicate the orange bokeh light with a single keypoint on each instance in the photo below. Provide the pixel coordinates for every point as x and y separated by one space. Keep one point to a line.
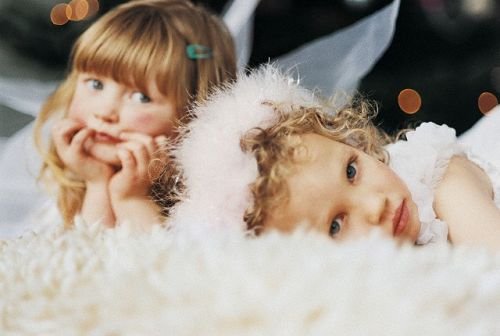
79 10
486 102
409 101
76 10
58 14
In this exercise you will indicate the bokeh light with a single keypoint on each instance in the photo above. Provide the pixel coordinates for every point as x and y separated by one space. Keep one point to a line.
58 14
79 10
76 10
409 101
479 8
486 102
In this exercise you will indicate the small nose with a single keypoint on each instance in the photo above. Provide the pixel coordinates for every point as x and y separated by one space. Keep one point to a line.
373 207
108 111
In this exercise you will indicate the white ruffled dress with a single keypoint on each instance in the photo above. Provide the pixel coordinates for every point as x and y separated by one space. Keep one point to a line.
421 162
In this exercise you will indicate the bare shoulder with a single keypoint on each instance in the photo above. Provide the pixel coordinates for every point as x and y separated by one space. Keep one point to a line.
464 200
463 172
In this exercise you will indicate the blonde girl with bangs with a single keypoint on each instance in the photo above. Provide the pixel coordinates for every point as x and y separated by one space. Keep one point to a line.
132 76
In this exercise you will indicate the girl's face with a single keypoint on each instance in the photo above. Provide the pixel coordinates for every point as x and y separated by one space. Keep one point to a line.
110 108
345 193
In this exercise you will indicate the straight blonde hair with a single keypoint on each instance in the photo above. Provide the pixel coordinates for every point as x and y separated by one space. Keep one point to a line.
131 44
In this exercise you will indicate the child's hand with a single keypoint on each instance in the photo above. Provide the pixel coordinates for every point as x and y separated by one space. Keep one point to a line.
136 154
69 138
129 188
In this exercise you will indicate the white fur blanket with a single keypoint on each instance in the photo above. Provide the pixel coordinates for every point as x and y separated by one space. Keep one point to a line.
89 281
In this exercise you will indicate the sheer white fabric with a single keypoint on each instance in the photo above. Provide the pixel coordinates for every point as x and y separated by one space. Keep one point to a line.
484 137
334 62
238 16
25 95
337 62
482 142
19 192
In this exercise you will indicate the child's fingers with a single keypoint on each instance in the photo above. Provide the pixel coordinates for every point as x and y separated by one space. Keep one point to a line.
144 139
62 138
79 139
128 180
74 152
134 136
140 154
64 130
127 160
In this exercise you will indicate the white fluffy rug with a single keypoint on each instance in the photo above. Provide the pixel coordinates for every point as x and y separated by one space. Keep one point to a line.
93 282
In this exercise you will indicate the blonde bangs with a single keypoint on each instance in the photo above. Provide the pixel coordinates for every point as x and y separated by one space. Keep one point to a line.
142 50
139 43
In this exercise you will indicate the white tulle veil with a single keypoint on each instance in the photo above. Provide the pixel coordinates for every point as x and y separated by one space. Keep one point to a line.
330 63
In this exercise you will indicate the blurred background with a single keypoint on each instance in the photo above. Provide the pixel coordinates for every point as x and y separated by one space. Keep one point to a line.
443 64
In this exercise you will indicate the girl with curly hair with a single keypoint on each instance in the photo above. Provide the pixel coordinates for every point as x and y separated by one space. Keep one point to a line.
288 159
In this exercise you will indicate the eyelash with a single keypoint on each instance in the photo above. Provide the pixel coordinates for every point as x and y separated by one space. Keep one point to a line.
143 99
95 84
352 163
335 226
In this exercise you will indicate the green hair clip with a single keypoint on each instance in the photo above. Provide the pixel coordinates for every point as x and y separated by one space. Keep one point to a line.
198 51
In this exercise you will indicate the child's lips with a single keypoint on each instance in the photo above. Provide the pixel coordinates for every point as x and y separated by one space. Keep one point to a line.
400 219
103 137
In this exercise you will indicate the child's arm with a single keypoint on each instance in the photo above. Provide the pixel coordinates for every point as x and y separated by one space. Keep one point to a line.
464 200
97 205
69 138
130 187
141 212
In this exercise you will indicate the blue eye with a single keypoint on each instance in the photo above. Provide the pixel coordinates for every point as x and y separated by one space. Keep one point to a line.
351 170
96 84
140 97
335 227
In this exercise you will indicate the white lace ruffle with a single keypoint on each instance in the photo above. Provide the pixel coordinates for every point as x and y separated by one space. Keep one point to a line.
421 162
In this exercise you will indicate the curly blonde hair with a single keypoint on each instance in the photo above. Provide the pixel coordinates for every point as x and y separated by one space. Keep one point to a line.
132 43
276 147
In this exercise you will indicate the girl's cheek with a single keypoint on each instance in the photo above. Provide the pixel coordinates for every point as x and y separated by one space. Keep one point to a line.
146 124
143 120
75 112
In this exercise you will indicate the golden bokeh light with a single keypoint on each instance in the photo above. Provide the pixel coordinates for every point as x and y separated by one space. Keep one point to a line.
409 101
76 10
58 14
79 10
486 102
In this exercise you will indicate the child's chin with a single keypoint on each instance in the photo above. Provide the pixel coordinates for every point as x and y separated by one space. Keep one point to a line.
106 153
